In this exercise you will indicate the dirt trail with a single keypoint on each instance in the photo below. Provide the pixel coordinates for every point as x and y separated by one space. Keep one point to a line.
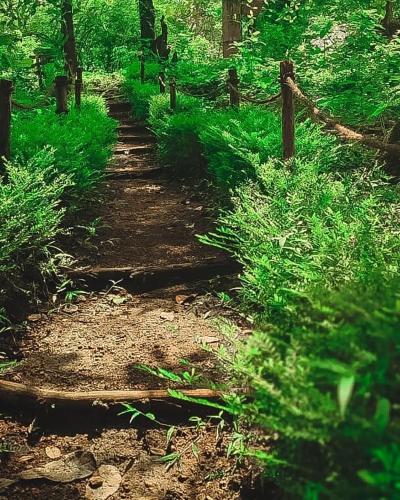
97 342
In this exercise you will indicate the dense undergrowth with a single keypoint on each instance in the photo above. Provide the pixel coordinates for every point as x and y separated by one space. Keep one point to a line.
318 239
56 165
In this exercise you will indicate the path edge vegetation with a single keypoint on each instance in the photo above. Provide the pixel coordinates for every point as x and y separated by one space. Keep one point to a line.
321 362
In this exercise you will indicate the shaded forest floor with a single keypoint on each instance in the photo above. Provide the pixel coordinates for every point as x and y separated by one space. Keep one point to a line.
97 341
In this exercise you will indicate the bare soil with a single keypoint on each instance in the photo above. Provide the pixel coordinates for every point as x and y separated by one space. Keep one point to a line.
97 342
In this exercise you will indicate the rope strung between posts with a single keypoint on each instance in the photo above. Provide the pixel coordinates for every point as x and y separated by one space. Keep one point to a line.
338 129
162 82
252 100
42 101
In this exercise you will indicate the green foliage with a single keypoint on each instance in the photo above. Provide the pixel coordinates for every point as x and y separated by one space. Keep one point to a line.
152 71
328 385
294 231
57 163
30 218
139 95
81 141
178 144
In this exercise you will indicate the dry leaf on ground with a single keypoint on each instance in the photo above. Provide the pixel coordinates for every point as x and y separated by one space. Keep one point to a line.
76 465
105 483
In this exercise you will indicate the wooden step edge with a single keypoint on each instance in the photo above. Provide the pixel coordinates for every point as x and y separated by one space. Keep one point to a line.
152 278
149 173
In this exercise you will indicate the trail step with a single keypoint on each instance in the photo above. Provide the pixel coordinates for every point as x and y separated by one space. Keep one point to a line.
133 138
126 174
153 278
117 107
126 149
120 115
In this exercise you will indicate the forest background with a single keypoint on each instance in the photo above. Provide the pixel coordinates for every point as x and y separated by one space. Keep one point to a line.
318 236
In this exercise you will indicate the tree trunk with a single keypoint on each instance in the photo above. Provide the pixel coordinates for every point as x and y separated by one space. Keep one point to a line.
393 160
162 41
231 25
67 29
147 24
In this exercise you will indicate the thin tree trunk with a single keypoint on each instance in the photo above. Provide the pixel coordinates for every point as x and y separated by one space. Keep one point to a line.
147 24
67 29
231 26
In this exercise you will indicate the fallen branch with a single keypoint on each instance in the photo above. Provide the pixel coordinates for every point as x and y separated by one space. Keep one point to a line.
340 130
26 394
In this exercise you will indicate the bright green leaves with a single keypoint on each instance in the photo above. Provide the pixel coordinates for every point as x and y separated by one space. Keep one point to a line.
345 390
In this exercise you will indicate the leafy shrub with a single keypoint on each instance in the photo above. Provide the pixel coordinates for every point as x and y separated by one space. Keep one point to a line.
151 73
207 79
139 95
329 387
234 142
178 143
297 230
30 218
82 142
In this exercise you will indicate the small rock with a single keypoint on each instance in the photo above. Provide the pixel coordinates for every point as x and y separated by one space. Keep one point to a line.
167 316
53 452
71 308
209 340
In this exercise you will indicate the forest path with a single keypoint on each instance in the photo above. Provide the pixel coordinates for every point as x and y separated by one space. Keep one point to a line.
97 342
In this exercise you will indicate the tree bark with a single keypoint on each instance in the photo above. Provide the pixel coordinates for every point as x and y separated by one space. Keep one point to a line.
6 88
393 160
231 26
147 16
68 32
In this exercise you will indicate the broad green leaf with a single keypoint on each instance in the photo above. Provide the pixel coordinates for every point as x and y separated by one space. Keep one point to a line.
345 390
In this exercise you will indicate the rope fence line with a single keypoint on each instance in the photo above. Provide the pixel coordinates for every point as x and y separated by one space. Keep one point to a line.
252 100
28 107
60 91
336 128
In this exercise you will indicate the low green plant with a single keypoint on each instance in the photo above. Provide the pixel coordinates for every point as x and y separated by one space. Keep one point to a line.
293 231
178 131
30 220
328 386
81 142
139 95
152 70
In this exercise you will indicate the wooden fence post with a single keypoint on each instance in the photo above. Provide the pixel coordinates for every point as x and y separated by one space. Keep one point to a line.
172 93
161 78
142 68
78 87
61 84
288 125
234 96
6 88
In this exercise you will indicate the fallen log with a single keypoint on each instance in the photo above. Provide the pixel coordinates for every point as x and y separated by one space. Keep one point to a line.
25 395
151 278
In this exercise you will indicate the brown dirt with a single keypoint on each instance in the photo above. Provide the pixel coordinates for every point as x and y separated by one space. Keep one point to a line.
98 341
